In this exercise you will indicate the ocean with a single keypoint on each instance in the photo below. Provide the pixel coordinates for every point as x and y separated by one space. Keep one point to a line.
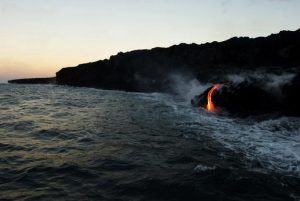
68 143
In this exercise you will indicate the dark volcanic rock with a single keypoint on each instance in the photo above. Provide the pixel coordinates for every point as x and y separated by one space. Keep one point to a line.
201 100
149 70
291 102
246 98
254 98
51 80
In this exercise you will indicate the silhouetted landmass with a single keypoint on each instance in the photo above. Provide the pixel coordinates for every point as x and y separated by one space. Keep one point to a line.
50 80
149 70
152 70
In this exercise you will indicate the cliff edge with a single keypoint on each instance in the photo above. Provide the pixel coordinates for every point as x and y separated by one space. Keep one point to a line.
149 70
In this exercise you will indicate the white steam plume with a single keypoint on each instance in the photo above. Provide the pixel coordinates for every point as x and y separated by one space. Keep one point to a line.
186 86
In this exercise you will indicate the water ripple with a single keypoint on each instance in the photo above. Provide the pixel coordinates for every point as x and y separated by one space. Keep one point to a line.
67 143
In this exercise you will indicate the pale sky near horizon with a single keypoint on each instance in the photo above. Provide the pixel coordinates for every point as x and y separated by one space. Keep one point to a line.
39 37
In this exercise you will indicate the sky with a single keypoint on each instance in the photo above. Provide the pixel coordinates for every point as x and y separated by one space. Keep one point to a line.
39 37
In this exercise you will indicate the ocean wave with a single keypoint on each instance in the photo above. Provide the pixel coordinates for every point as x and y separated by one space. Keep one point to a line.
68 143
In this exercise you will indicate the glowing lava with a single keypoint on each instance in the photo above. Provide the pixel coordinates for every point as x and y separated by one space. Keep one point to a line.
210 105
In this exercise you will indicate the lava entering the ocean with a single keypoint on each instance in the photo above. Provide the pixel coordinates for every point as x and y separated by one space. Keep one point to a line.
210 105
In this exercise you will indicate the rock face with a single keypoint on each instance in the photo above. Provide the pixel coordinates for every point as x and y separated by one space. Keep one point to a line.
50 80
254 98
149 70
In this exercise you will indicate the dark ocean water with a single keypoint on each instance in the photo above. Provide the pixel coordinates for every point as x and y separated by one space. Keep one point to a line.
64 143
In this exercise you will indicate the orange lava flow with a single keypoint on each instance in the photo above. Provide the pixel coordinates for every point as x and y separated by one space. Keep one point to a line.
210 105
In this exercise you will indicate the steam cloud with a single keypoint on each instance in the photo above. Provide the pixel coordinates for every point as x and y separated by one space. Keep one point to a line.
186 86
268 81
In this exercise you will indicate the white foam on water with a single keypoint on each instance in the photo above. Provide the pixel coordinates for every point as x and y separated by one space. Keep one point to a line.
203 168
274 143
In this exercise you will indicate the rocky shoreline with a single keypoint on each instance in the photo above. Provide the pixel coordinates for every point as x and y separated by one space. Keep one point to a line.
151 70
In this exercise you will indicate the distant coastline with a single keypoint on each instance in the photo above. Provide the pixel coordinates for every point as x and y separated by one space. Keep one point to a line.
49 80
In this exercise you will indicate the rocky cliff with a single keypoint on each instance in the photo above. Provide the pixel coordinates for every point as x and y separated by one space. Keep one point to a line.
149 70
